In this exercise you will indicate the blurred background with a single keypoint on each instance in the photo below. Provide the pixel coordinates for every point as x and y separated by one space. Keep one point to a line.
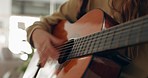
15 17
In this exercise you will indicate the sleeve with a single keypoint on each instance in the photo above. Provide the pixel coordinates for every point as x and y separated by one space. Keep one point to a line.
66 11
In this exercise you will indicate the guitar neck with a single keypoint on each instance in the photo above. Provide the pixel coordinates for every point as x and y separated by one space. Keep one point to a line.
123 35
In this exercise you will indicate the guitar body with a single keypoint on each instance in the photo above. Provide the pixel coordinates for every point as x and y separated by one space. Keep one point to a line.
91 66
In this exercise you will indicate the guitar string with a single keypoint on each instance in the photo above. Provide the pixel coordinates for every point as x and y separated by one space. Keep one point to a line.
106 36
97 47
65 54
119 29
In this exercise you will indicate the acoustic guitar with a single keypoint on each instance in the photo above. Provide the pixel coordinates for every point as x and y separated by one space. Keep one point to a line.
90 52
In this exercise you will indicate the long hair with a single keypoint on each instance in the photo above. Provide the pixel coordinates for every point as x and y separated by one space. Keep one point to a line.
130 9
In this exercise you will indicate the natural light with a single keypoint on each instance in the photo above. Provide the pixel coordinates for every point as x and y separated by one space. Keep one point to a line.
17 35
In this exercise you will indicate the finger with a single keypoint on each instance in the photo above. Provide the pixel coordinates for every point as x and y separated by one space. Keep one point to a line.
52 52
49 52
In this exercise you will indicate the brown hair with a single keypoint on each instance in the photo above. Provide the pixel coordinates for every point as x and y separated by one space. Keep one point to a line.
130 9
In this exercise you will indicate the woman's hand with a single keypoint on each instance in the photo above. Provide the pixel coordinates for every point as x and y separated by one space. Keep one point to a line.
45 44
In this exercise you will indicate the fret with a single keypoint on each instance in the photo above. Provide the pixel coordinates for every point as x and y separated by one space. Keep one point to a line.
103 41
95 47
106 36
112 35
92 46
120 37
109 39
100 42
88 47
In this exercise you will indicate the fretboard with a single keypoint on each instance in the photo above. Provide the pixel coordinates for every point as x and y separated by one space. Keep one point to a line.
123 35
